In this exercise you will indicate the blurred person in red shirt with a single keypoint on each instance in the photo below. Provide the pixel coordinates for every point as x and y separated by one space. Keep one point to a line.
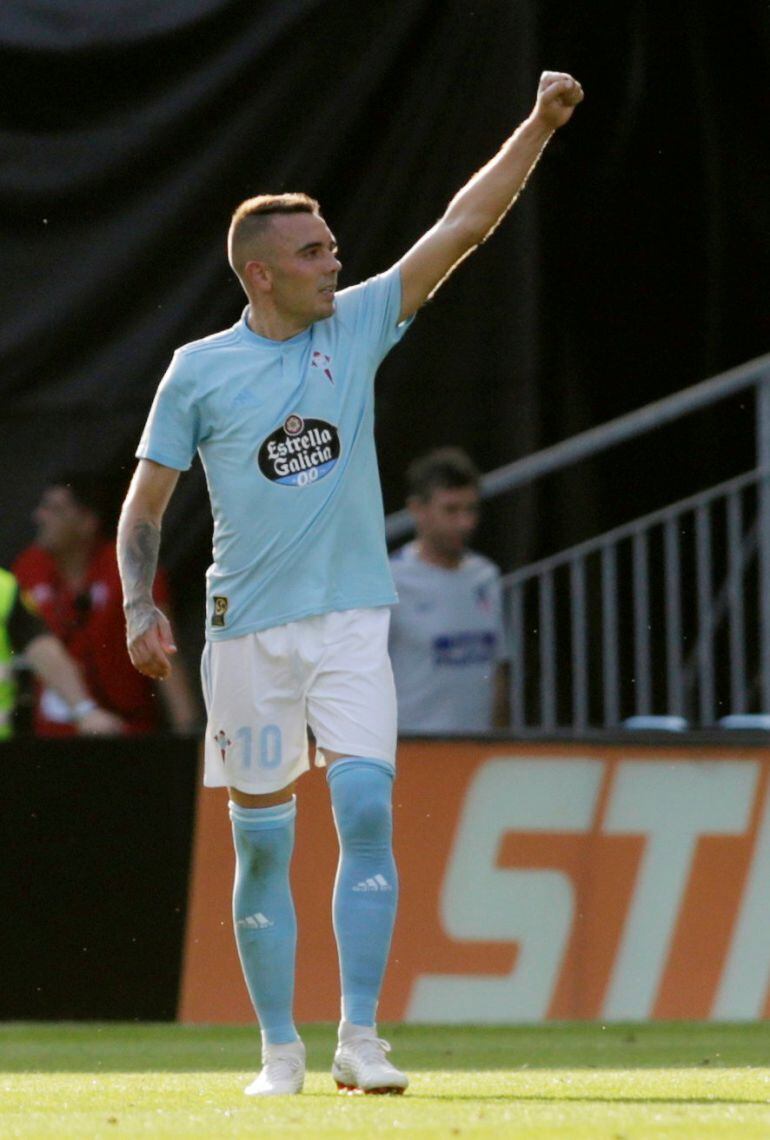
69 576
25 641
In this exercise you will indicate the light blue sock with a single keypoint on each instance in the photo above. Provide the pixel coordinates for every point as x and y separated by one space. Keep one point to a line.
263 914
366 887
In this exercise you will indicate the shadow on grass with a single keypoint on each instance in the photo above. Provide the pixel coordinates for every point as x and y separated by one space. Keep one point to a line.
130 1048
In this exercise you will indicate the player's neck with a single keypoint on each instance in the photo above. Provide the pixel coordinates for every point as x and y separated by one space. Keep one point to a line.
273 325
447 560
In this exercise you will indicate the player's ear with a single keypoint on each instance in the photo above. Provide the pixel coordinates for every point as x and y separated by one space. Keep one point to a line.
258 276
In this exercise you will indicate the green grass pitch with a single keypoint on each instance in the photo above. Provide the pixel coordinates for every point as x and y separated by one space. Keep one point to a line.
576 1081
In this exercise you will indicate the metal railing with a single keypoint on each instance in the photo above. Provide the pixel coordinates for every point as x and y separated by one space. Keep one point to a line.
668 614
633 601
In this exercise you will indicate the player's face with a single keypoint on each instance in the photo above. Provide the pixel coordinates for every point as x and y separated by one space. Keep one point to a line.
303 266
61 522
447 519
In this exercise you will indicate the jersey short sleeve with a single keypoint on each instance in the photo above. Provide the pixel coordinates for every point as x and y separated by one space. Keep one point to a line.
172 432
374 307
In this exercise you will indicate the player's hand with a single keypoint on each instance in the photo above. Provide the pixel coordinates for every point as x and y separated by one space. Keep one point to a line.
149 639
100 722
558 94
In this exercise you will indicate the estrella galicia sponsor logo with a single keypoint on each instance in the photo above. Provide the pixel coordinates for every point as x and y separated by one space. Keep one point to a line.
299 452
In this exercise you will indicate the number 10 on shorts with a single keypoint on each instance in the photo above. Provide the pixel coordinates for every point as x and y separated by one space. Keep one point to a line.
268 750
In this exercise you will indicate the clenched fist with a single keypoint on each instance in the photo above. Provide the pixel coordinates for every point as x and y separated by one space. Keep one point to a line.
558 94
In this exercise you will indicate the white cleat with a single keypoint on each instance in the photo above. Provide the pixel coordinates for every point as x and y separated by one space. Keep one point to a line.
360 1066
283 1071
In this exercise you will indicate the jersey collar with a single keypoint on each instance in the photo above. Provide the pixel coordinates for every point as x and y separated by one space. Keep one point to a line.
251 337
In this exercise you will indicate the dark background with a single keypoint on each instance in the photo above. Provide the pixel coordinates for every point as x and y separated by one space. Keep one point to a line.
95 876
634 265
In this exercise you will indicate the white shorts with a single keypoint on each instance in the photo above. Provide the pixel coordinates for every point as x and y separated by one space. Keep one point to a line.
331 672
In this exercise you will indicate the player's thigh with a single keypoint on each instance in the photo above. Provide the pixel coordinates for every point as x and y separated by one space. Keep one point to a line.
351 704
256 740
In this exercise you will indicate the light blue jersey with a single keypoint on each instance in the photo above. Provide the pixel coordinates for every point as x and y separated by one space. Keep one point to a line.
285 431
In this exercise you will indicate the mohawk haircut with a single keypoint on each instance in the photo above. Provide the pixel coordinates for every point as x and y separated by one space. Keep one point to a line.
252 218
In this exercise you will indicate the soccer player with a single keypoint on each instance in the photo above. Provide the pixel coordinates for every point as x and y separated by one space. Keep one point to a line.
447 641
280 409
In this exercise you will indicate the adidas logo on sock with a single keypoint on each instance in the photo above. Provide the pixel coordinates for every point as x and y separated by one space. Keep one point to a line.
378 883
255 922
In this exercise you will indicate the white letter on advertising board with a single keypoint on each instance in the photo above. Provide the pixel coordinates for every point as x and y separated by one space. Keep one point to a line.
671 804
746 976
486 903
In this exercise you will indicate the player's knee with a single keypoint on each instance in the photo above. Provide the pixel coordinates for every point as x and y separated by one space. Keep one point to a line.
361 799
367 822
261 854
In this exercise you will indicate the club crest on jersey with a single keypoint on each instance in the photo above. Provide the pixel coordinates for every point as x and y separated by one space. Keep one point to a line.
299 452
323 363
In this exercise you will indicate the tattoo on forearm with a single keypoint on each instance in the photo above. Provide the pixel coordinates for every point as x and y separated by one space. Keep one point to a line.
138 560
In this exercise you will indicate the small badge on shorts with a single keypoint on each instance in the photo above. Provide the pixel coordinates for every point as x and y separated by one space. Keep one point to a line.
222 742
220 609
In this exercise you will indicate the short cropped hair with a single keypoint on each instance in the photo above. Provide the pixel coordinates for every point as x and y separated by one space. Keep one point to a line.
443 469
252 217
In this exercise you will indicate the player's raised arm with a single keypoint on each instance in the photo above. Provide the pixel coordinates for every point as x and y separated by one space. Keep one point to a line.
148 632
475 211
